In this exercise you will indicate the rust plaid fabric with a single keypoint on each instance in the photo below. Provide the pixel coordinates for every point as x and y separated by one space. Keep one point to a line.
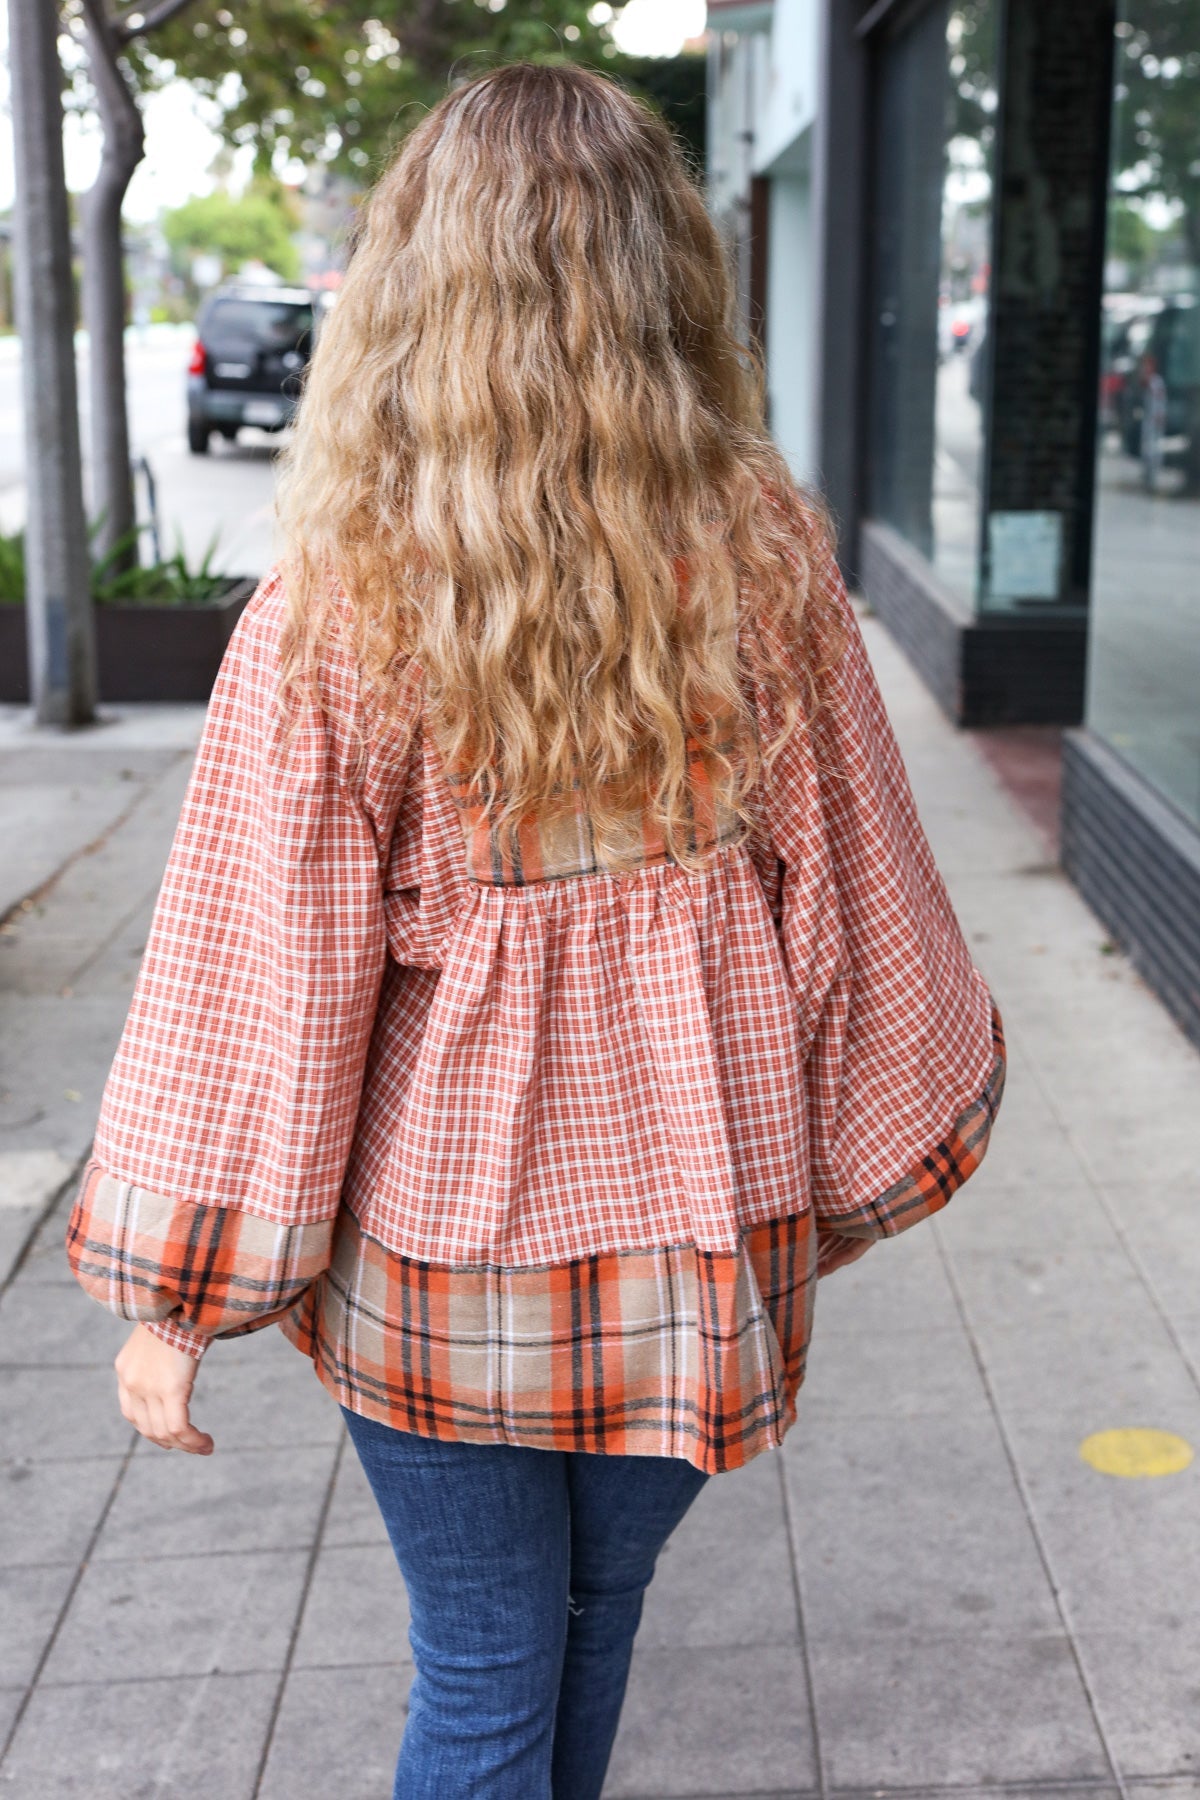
513 1148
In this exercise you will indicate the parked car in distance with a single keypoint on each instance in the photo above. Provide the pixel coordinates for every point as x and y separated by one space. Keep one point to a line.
1169 339
252 348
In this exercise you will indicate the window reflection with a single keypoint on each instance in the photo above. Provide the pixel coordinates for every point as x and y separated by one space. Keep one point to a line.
1144 665
935 111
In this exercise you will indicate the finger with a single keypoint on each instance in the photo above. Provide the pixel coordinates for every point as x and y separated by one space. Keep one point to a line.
156 1408
182 1432
140 1417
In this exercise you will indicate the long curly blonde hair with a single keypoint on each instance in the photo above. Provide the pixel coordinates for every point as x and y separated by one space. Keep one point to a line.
530 463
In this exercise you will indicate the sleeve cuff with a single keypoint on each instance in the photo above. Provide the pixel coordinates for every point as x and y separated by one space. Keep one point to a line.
927 1187
194 1343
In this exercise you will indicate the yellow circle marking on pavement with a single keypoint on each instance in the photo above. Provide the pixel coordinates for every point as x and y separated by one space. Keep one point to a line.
1136 1450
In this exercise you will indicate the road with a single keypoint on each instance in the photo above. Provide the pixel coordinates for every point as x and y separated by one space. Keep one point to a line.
228 492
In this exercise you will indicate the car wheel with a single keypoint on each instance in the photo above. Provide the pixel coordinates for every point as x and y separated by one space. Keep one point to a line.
197 437
229 433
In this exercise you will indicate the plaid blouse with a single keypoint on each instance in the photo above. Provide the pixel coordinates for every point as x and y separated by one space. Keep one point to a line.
514 1149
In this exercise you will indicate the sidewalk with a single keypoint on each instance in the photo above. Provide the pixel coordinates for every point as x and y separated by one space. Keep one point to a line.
926 1592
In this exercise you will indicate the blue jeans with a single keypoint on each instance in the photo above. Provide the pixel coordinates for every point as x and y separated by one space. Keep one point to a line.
525 1572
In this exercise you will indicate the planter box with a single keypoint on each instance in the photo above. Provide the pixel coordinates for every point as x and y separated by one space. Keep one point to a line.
143 652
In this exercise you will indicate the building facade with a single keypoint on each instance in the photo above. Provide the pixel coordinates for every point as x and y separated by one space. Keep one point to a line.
969 238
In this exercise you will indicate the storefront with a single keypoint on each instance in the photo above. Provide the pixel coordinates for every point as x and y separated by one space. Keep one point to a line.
999 346
967 342
1131 776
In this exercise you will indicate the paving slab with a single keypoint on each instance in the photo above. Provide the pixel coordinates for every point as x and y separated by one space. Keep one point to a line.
1046 1281
55 805
45 1262
1124 1550
30 1602
1133 1374
900 1285
57 1414
864 1374
926 1712
699 1722
58 1328
338 1733
914 1525
356 1610
722 1576
1155 1211
48 1511
1146 1679
170 1504
175 1740
991 1214
179 1615
51 1095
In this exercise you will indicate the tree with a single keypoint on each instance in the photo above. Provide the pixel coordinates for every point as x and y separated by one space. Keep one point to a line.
1157 149
355 74
233 229
62 658
108 35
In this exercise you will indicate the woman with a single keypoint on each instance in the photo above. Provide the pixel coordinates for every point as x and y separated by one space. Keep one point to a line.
551 978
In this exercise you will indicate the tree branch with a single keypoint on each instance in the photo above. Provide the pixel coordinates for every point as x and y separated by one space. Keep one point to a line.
158 15
118 109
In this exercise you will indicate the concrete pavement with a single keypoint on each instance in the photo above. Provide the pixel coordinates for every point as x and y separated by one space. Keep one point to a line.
927 1592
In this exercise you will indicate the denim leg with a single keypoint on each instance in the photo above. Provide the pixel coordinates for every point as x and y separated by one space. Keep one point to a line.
480 1532
623 1510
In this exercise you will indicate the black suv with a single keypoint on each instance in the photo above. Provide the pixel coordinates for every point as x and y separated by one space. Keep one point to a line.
252 347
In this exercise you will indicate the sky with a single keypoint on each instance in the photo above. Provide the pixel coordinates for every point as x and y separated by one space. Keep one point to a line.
180 142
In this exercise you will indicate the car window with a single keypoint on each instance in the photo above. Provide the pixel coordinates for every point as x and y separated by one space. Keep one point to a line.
1181 347
266 324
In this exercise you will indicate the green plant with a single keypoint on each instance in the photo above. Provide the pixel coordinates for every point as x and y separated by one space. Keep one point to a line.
171 581
12 568
168 582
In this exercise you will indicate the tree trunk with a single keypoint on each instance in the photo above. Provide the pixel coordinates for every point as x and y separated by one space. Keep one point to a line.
62 654
104 296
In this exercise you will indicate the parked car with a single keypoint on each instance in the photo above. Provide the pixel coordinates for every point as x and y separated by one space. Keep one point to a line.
252 347
1168 343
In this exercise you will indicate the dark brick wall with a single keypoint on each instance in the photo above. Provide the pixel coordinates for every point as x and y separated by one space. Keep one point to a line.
1136 862
1002 670
1052 157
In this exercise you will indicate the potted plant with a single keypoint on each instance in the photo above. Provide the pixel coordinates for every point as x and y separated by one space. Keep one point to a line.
161 628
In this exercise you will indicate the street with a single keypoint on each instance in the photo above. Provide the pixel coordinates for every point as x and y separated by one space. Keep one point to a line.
228 491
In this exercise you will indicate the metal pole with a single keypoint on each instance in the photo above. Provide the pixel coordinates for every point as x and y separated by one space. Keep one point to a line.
62 656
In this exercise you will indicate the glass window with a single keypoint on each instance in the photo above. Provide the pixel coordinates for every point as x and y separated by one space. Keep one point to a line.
933 154
1144 654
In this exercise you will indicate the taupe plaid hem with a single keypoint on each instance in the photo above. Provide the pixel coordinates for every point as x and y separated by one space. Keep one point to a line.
671 1352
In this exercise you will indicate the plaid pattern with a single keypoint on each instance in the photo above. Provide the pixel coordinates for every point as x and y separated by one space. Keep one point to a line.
671 1351
542 1152
195 1272
561 842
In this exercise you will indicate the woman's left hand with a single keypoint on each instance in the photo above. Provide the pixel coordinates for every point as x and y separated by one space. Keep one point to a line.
154 1382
